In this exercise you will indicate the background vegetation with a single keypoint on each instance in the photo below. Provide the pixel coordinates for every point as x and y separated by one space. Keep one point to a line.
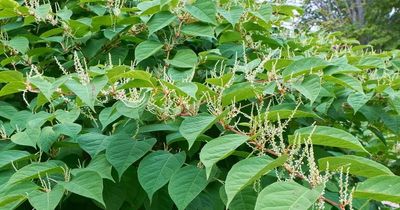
374 22
168 104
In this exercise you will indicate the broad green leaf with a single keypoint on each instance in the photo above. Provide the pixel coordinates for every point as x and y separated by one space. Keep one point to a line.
107 116
47 138
284 111
185 58
35 170
44 86
87 92
220 81
11 76
189 88
220 148
340 69
264 13
357 100
68 129
327 136
93 143
245 199
167 126
29 137
123 151
12 87
134 109
309 87
7 111
203 10
67 116
357 165
302 66
232 15
13 156
159 21
240 91
380 188
149 7
247 171
346 81
87 184
186 184
98 164
193 126
198 29
287 196
19 43
43 10
157 168
47 200
11 201
146 49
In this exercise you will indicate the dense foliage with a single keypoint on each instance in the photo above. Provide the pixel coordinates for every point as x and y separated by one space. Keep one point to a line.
374 22
169 104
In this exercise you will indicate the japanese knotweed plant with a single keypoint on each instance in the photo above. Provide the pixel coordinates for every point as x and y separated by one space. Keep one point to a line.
169 104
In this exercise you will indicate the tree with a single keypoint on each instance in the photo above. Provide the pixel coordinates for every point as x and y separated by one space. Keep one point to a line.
370 21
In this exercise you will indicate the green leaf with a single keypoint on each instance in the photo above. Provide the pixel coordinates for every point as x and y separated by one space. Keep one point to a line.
13 156
264 13
246 171
159 21
87 92
87 184
286 110
156 169
107 116
239 92
12 87
98 164
220 148
44 86
287 195
67 116
358 99
47 200
68 129
134 109
146 49
47 138
198 29
244 199
11 76
309 87
93 143
327 136
29 137
35 170
303 66
123 151
233 15
346 81
193 126
357 165
380 188
186 184
203 10
19 43
42 11
185 58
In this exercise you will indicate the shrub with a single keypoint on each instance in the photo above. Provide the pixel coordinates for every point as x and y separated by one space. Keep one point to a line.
197 105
